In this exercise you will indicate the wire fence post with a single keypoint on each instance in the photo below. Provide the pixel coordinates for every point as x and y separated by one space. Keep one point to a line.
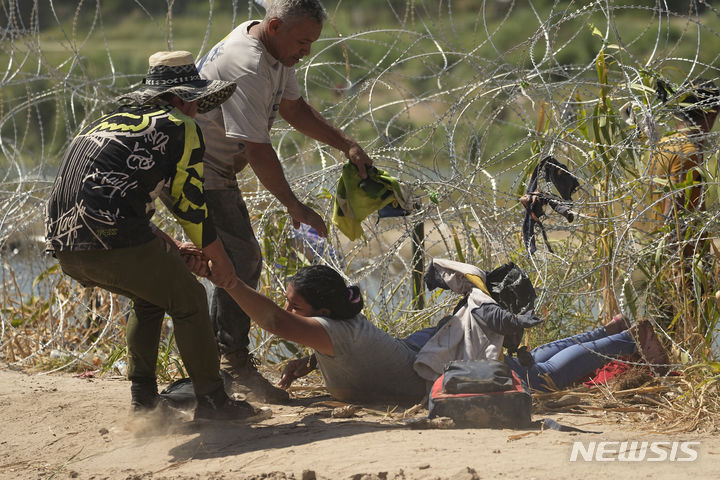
418 265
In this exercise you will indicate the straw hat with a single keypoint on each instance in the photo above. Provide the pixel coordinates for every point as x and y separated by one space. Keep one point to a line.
176 73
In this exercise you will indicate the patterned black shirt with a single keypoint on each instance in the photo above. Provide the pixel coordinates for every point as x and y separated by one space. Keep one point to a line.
104 194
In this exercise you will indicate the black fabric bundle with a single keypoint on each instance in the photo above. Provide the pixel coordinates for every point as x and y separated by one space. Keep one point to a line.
535 201
511 287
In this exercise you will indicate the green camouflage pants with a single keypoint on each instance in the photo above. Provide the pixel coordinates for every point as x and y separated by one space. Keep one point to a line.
157 281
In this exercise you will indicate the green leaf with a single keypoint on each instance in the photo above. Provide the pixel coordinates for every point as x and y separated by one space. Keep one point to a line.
458 246
45 273
582 122
476 244
715 366
595 31
643 88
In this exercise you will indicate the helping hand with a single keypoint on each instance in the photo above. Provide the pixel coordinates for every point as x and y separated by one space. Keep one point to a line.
359 158
304 214
188 248
220 275
193 258
196 264
222 272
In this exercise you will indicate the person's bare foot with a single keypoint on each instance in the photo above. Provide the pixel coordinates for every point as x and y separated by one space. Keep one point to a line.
618 324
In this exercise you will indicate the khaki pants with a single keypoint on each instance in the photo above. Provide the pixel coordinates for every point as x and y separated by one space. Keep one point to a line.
157 281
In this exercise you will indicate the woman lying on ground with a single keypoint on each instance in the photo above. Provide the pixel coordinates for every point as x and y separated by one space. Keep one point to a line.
361 363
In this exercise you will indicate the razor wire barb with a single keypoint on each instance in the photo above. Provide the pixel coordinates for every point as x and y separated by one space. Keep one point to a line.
460 101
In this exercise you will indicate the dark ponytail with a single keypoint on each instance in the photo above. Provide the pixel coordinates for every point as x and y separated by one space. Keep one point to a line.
323 287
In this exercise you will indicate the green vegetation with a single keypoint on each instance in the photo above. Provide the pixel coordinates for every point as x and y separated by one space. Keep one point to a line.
448 57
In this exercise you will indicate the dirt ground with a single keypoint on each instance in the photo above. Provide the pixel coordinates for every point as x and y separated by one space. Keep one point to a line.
61 426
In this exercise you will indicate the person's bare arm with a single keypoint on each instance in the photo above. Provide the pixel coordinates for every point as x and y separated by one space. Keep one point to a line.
264 162
263 311
222 272
305 119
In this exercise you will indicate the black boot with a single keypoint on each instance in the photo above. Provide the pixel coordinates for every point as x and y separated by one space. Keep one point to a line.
218 406
144 395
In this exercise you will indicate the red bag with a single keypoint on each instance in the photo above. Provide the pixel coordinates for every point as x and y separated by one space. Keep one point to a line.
503 403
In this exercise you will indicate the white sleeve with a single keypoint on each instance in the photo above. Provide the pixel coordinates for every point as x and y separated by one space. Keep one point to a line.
292 89
245 115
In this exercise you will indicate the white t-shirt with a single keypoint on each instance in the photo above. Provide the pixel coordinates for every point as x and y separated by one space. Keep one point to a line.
262 81
369 365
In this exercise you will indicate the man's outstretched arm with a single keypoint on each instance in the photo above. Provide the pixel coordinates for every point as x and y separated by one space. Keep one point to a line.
305 119
266 165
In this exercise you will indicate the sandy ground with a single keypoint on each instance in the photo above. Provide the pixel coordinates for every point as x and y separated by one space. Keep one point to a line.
61 426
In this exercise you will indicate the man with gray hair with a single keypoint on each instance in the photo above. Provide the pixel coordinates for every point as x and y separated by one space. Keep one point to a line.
259 56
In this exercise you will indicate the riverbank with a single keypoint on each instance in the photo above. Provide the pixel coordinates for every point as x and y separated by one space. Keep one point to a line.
61 426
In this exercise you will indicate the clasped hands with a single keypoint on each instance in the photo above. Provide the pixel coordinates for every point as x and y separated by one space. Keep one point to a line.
194 259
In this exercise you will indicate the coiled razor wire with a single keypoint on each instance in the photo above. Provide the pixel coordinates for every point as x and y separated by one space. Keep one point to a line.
458 101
